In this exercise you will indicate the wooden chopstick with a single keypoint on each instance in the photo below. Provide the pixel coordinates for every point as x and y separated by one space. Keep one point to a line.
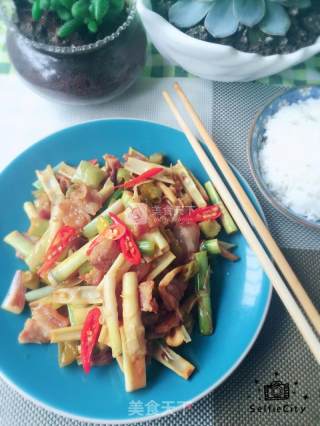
252 214
269 267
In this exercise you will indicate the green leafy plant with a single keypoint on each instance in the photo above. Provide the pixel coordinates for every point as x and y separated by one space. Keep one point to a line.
223 17
75 14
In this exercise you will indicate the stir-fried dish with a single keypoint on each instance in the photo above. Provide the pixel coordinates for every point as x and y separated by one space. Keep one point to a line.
117 262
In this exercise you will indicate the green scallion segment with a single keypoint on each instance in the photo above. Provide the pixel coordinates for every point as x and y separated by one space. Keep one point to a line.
203 291
89 174
211 246
226 219
147 247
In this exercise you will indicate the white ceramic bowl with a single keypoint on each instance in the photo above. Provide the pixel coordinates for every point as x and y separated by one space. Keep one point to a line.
212 61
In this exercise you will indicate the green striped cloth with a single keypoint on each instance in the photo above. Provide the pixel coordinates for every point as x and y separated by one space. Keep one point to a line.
157 67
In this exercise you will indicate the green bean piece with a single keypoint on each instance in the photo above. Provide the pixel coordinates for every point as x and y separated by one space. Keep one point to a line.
80 9
68 28
89 174
226 219
203 292
39 293
19 242
92 26
156 158
211 246
147 247
100 9
36 10
210 228
123 175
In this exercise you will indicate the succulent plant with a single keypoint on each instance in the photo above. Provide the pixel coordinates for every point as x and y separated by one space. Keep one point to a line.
223 17
75 14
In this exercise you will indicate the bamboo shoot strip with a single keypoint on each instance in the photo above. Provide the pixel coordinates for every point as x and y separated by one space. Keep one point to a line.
65 334
132 323
38 293
203 291
226 219
189 185
50 184
160 264
134 369
110 305
137 166
19 242
84 295
170 359
30 210
40 249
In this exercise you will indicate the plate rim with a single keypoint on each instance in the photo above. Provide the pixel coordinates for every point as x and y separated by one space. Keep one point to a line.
211 388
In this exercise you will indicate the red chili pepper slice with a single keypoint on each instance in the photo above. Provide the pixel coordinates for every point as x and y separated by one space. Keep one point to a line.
63 239
130 250
89 336
141 178
113 232
201 214
127 243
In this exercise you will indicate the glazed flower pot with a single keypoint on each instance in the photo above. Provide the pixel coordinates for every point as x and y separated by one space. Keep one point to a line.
214 61
92 73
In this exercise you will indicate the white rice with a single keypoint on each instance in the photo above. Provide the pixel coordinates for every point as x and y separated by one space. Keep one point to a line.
290 157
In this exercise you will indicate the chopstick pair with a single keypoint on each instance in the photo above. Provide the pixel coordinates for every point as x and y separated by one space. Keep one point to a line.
271 262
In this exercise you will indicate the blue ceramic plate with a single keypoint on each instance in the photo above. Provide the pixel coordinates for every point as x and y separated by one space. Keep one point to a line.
241 294
257 140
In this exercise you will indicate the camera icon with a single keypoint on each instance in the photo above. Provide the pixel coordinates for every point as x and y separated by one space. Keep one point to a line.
276 391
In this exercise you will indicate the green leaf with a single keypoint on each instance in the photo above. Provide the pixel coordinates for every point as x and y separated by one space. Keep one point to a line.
300 4
54 4
221 21
117 6
36 10
186 13
92 26
249 12
80 9
276 21
44 4
100 9
64 14
67 3
68 28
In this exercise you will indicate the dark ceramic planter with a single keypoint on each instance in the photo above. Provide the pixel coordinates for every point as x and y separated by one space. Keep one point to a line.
93 73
